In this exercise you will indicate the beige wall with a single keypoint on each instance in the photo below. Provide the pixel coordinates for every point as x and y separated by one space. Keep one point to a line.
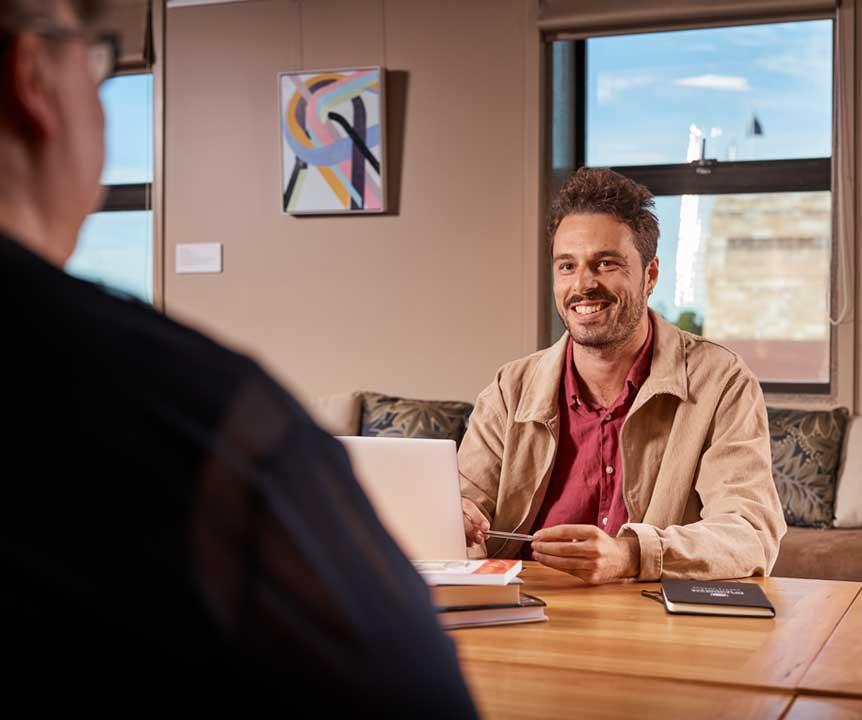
427 302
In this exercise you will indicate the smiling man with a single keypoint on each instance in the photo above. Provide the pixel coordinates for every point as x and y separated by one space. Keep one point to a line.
631 449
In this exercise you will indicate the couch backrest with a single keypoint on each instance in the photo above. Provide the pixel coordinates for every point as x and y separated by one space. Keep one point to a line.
338 414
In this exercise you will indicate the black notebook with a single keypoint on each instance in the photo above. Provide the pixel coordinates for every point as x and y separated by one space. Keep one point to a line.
703 597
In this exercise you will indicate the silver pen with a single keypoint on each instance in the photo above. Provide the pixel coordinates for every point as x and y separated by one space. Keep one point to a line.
509 535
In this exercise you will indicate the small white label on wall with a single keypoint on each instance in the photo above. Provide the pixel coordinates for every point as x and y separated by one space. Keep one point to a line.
199 258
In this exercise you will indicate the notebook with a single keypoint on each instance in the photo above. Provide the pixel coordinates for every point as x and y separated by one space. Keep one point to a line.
528 609
707 597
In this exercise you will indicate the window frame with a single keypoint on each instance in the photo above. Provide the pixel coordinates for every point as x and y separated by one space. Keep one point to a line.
148 57
127 196
119 197
713 177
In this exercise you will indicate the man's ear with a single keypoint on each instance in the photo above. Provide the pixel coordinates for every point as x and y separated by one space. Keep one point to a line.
651 275
27 74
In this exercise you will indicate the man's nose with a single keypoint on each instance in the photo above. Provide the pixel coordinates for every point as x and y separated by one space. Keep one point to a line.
584 280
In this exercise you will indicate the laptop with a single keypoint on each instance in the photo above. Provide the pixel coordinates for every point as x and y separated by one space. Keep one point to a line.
413 486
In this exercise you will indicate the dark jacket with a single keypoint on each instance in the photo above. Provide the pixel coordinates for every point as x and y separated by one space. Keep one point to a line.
176 532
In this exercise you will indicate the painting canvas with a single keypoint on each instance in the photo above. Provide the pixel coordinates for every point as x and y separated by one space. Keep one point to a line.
332 139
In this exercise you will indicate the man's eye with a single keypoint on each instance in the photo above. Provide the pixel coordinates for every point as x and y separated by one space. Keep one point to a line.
565 267
605 263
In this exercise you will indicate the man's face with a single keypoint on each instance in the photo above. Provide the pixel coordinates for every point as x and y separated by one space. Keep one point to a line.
600 284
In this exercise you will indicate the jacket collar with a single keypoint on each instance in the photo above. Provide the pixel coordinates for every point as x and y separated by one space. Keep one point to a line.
539 401
542 388
668 373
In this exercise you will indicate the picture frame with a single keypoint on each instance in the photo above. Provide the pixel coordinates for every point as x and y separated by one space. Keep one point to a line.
332 125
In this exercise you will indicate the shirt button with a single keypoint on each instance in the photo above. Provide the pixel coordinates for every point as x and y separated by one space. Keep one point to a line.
604 521
609 470
609 417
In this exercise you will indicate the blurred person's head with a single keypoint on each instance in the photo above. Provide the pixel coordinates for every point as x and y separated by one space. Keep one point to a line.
51 122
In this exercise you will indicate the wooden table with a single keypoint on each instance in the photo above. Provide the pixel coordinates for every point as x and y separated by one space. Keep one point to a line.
524 692
837 670
824 708
618 654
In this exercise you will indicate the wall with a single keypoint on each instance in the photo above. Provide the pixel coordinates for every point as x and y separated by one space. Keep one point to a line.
426 301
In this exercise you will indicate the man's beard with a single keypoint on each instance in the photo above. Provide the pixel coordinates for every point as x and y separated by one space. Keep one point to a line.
616 334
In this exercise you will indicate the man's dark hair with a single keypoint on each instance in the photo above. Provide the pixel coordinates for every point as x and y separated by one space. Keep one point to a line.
600 190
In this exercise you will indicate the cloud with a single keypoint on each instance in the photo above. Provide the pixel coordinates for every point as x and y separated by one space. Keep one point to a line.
736 83
808 63
754 35
611 84
703 47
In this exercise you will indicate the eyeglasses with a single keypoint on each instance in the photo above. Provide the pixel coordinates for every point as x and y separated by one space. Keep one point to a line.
103 50
102 55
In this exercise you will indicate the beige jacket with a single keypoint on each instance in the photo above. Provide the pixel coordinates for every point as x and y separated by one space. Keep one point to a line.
697 468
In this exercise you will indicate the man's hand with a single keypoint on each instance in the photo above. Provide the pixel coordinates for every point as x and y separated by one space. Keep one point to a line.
475 523
587 553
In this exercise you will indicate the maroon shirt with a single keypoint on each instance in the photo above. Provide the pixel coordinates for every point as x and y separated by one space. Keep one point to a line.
586 486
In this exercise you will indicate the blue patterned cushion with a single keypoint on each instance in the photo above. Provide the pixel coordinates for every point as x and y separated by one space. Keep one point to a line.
806 450
388 416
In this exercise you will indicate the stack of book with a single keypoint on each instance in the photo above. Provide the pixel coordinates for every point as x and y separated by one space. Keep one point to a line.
472 593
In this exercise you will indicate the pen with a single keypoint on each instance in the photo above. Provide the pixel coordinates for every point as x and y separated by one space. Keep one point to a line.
509 535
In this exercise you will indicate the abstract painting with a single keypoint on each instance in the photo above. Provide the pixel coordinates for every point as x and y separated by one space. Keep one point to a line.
333 141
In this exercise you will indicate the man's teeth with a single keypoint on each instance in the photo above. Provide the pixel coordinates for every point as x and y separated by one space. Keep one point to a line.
587 309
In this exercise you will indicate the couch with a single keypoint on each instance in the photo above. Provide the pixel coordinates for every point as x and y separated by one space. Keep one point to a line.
828 547
817 465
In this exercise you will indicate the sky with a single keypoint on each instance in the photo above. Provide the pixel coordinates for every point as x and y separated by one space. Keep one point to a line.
644 91
128 103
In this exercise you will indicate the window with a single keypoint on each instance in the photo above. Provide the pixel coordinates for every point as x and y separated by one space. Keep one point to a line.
731 129
115 246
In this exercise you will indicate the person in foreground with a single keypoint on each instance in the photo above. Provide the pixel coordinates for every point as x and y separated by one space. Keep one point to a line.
175 531
630 449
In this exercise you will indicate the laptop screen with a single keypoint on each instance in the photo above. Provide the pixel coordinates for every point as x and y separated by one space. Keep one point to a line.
413 486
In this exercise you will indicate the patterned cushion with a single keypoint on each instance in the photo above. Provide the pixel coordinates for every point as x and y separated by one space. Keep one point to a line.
806 449
389 416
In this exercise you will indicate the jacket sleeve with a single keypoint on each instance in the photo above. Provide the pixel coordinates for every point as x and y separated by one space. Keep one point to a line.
742 521
480 456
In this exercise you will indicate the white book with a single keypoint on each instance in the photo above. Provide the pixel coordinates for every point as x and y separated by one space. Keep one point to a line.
468 572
